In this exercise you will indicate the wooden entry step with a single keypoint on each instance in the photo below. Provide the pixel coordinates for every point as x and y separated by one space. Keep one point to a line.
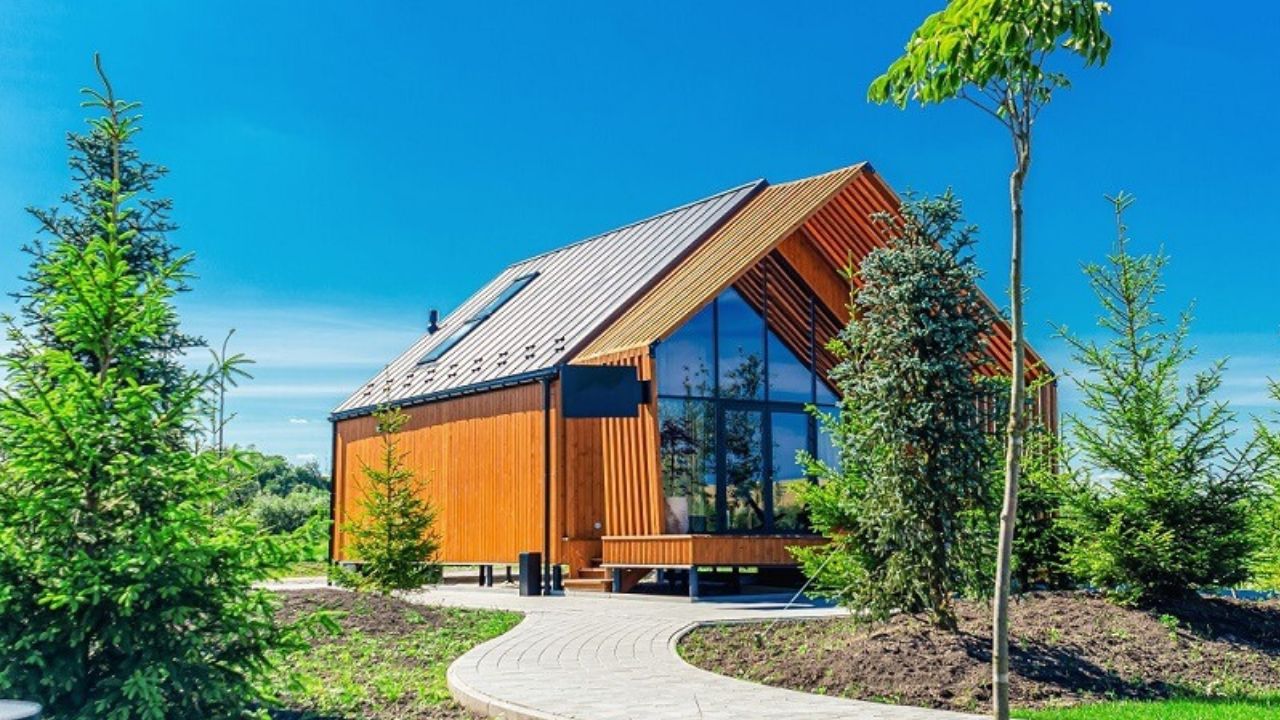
591 578
588 584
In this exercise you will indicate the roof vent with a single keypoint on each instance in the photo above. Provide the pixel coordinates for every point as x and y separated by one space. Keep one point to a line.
433 321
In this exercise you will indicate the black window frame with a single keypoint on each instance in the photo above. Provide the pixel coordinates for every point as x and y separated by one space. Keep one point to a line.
766 407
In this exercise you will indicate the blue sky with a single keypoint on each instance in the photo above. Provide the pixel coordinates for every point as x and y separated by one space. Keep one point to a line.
339 169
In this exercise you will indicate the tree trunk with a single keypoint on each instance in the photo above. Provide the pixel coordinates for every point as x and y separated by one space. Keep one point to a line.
1013 450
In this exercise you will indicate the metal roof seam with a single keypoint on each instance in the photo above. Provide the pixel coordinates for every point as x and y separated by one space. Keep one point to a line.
538 326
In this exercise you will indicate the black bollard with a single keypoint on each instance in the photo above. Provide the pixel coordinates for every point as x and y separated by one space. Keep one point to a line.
530 573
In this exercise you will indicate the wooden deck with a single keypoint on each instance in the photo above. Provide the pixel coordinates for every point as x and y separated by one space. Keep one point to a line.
685 551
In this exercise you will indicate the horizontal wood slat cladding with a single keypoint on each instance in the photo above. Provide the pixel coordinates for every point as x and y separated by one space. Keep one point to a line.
628 459
704 550
482 458
767 219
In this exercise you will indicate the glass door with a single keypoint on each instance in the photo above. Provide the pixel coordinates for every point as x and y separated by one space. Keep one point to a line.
789 434
742 496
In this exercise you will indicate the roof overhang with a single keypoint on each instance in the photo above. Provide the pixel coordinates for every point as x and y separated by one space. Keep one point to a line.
473 389
831 216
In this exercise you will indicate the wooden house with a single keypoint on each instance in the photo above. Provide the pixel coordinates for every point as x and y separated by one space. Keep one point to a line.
720 309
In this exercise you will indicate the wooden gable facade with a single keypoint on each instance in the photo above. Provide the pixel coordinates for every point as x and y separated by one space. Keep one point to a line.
507 473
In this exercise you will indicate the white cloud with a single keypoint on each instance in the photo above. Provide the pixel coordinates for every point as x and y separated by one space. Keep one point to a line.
302 336
298 421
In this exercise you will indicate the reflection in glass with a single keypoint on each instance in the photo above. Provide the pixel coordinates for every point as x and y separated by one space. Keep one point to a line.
686 358
790 435
741 348
744 469
789 377
687 456
731 397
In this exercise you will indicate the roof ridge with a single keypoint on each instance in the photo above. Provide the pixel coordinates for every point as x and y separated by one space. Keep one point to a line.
863 166
620 228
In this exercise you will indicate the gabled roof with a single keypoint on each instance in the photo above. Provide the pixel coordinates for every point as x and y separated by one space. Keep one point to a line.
575 291
631 287
825 220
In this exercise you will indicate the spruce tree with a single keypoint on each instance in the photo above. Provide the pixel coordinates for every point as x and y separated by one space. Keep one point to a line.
392 537
1265 567
123 594
1166 510
93 156
904 510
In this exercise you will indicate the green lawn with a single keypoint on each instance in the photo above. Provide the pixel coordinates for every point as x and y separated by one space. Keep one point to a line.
1266 708
389 661
307 569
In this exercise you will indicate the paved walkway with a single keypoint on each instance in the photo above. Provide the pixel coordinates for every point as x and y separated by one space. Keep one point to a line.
614 658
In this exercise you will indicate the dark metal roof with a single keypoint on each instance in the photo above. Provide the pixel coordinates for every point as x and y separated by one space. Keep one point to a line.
578 290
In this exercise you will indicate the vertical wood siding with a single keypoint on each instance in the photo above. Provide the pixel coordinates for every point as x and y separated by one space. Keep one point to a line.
481 456
631 482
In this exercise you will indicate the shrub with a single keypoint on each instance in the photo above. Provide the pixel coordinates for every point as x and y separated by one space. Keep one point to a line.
905 508
284 514
1265 568
1046 493
1046 488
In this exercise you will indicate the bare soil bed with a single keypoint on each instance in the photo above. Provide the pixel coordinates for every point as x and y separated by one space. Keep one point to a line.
1066 648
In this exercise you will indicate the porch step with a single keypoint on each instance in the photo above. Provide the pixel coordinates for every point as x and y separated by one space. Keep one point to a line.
594 573
584 584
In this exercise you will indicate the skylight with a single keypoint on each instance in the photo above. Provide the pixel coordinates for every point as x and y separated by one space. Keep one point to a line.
480 316
516 286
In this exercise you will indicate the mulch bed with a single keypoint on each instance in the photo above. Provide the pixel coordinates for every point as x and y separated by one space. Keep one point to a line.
363 612
1066 648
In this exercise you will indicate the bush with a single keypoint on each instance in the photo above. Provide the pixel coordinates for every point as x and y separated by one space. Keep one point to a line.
1265 568
1046 489
1046 494
285 514
905 508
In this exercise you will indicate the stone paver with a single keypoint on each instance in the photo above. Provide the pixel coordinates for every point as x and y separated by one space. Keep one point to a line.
614 658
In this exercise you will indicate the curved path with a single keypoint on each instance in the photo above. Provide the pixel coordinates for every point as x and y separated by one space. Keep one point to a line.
614 658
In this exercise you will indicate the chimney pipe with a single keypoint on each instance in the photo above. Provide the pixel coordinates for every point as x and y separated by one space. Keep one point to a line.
433 321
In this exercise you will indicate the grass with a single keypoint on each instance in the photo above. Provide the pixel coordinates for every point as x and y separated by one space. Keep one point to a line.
365 675
306 569
1258 708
